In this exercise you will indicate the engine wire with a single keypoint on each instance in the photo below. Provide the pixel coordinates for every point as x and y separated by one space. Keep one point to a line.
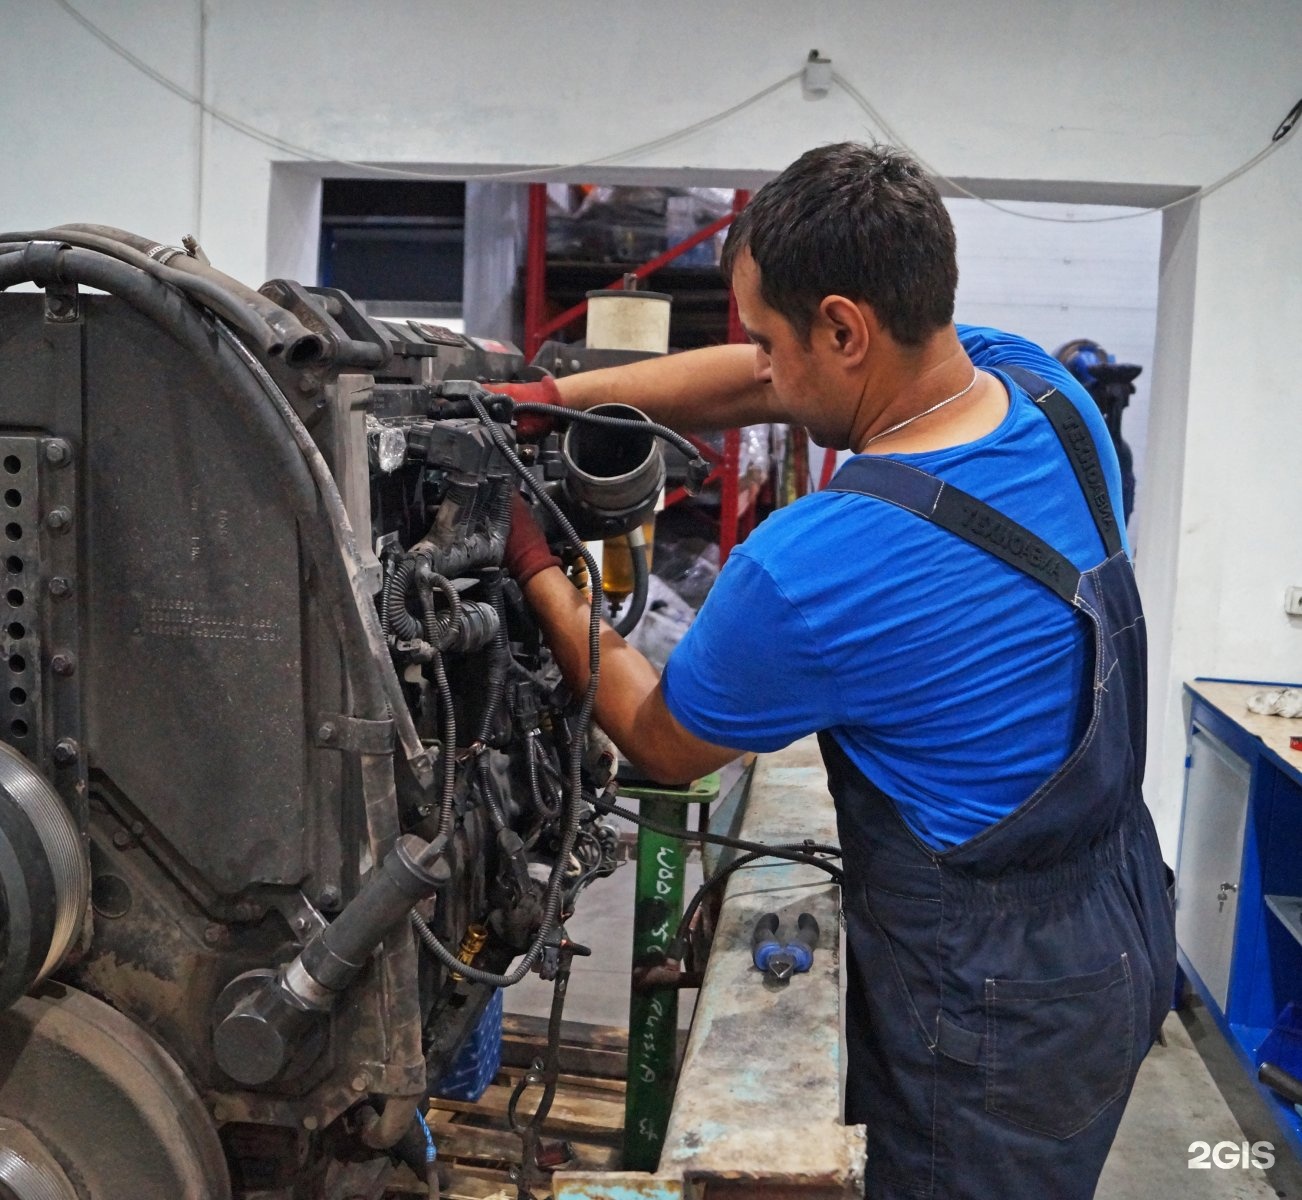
807 852
556 879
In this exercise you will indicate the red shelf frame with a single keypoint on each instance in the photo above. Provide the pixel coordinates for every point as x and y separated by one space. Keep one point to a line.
736 511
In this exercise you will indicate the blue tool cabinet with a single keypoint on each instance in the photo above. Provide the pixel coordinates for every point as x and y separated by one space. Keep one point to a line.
1239 879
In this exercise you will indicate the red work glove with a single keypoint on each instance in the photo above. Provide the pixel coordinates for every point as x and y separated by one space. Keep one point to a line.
531 426
527 551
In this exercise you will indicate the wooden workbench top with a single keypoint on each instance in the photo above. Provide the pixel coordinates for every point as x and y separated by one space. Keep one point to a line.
1231 699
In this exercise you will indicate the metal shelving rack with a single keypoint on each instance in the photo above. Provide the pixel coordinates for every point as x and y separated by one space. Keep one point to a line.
736 507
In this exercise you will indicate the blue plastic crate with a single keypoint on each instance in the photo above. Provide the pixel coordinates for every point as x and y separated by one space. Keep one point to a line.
478 1061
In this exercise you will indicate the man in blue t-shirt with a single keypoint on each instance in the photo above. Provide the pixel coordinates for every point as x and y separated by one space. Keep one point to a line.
956 618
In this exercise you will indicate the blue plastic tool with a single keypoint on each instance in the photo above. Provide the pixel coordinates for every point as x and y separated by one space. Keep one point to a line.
780 961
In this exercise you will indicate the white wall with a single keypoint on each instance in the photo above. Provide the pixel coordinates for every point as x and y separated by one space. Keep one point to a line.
1051 101
1052 279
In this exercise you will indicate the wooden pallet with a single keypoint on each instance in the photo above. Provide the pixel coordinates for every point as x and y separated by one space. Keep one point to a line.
475 1143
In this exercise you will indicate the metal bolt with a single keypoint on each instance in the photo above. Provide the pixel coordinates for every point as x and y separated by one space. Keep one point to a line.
300 924
59 586
138 828
57 452
361 1082
59 519
60 305
310 1122
213 935
326 733
329 899
121 839
219 1112
66 752
63 664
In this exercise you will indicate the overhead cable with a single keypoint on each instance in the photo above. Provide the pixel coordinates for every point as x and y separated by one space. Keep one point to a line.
1280 136
883 129
287 147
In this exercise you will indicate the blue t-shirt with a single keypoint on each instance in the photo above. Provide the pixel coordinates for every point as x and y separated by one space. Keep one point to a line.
954 682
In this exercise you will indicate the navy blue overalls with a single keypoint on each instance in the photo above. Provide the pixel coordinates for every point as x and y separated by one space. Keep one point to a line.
1002 993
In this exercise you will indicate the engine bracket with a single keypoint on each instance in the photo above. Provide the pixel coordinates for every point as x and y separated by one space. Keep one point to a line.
335 731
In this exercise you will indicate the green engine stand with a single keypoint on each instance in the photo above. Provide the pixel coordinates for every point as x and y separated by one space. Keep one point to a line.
653 1010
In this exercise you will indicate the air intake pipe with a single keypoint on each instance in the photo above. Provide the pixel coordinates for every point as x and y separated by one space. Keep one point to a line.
614 472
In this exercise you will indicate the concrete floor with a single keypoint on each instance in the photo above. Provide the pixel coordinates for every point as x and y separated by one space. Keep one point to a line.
1189 1090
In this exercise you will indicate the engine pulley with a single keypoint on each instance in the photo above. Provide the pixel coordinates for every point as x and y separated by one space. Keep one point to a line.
88 1095
44 877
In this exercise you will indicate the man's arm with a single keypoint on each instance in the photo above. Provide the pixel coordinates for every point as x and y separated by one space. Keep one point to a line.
707 389
630 705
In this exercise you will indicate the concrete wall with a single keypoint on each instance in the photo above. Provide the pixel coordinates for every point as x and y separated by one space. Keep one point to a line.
1053 279
1112 101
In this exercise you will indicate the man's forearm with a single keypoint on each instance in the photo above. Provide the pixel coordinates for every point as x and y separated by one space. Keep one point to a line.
630 706
711 388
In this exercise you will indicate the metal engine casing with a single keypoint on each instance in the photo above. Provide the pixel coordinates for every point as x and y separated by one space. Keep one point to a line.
175 671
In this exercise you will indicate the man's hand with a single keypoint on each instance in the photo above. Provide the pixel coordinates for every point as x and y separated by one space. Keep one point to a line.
527 551
530 427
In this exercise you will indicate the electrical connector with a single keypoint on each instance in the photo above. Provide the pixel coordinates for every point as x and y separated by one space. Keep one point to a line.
816 79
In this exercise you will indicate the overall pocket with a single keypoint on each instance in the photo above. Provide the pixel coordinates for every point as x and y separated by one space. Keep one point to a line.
1059 1051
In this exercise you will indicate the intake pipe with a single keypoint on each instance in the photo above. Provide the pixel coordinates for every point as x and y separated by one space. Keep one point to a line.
614 473
270 1024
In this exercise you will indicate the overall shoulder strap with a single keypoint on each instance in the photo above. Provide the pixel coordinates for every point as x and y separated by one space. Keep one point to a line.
962 515
1081 451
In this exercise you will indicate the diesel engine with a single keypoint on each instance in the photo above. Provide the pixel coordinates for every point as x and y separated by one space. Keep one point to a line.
290 784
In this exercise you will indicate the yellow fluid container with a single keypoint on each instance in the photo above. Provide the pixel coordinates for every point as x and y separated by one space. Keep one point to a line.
617 562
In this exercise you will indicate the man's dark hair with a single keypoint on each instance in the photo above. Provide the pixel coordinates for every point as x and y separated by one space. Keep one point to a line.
858 221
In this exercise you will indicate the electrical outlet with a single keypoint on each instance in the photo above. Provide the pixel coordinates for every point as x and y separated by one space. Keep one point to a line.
1293 601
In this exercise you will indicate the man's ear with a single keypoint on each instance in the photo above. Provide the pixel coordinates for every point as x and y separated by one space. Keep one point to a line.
848 326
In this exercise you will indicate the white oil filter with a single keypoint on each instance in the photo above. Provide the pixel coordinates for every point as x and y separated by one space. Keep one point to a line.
627 320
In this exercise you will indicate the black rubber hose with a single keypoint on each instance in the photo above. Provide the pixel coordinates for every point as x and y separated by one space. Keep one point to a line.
500 657
548 812
440 628
678 945
500 654
447 810
386 590
495 811
397 619
637 550
301 346
807 853
202 291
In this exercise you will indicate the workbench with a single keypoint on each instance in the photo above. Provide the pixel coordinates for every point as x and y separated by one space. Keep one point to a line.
758 1098
1239 874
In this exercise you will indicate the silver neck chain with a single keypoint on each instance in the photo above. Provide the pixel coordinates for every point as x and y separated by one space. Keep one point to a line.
976 374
